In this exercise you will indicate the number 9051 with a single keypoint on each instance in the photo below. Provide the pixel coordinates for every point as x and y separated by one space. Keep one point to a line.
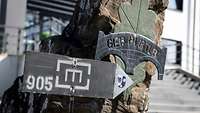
39 82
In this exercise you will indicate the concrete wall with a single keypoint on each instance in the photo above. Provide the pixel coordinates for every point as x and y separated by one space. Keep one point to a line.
8 71
15 20
193 38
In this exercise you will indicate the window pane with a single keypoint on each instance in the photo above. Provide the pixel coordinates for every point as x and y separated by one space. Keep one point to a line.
176 4
172 4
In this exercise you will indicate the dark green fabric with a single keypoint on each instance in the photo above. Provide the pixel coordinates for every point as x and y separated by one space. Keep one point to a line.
44 35
136 17
139 75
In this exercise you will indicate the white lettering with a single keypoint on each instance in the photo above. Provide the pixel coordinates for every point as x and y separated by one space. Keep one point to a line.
48 83
40 83
30 82
74 73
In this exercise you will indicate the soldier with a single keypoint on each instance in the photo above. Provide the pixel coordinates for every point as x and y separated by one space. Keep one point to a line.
134 99
79 40
102 15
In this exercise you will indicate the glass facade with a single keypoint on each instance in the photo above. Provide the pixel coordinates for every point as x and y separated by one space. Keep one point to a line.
39 27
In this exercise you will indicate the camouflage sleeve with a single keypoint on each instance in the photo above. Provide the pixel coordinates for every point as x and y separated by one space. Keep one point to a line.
134 99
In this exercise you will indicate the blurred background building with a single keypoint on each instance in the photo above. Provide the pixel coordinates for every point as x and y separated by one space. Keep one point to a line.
179 92
23 23
182 23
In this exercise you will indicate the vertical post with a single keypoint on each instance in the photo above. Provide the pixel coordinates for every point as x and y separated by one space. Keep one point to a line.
18 49
178 52
1 40
38 38
188 35
3 9
71 104
5 42
26 44
51 26
71 98
193 38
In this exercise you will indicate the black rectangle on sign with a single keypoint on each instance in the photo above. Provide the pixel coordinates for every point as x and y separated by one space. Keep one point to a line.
62 75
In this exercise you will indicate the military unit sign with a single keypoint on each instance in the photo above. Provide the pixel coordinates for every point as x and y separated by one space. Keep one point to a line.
61 75
132 49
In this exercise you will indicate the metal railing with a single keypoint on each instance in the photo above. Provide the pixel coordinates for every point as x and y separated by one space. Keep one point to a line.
174 51
28 38
10 37
174 57
3 42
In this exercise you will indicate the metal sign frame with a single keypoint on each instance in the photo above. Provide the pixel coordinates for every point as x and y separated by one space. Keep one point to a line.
62 75
132 49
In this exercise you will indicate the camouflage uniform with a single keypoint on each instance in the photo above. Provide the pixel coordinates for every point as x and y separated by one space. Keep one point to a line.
79 40
61 104
134 99
137 102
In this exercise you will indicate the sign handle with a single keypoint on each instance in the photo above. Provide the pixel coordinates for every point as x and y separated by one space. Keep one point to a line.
71 104
72 90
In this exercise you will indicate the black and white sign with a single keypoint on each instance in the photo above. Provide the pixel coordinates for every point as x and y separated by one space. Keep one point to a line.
62 75
133 49
122 81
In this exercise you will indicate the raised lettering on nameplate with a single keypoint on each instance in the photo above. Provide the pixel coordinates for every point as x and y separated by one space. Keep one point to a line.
62 75
133 49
